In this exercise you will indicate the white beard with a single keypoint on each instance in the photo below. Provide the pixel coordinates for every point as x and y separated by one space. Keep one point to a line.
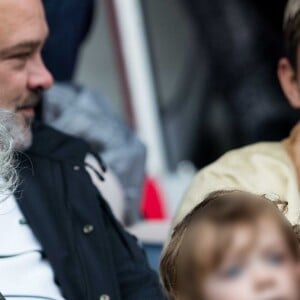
10 137
18 128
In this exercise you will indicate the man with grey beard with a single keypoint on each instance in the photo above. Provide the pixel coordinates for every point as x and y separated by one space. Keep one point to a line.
59 239
8 174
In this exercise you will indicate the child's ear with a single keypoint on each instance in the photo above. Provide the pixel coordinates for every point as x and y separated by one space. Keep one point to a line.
288 80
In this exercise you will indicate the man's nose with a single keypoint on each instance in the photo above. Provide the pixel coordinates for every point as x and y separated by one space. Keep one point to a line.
39 77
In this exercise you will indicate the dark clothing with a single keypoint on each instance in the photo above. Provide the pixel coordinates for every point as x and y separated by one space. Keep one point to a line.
69 23
117 145
59 200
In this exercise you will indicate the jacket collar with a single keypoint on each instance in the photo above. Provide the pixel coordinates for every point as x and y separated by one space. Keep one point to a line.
51 143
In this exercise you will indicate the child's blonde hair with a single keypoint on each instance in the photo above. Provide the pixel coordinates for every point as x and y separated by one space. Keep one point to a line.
199 243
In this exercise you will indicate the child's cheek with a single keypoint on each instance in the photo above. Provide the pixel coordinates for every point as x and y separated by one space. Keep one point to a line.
298 265
298 271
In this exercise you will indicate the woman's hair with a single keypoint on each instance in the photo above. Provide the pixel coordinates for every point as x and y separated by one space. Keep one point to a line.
200 242
291 30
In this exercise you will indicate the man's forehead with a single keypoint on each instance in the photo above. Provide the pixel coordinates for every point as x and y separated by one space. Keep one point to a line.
21 21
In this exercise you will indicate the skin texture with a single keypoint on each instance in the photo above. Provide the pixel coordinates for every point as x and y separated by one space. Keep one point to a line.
258 266
292 144
23 75
290 82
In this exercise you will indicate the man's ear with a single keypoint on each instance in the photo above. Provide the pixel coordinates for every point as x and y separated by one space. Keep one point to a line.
288 81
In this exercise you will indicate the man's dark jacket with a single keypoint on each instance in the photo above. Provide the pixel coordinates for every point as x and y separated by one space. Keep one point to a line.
59 201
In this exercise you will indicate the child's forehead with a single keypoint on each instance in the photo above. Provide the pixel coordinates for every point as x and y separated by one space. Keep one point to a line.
213 242
262 235
269 231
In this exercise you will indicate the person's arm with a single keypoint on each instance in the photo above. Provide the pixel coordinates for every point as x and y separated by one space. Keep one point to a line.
135 278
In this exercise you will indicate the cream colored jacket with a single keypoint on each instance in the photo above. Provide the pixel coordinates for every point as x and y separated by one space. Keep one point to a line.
264 168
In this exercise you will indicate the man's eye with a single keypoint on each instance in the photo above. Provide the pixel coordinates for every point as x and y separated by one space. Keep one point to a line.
21 56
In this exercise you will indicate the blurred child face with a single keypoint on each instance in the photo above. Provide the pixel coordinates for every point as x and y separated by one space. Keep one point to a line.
258 266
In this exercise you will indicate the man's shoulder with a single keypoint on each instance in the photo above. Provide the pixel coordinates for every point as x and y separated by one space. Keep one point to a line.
50 142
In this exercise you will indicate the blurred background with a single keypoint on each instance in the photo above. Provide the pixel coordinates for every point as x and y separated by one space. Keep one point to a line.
192 78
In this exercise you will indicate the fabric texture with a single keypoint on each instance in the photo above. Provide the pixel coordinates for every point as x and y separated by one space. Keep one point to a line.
24 271
89 251
263 168
69 24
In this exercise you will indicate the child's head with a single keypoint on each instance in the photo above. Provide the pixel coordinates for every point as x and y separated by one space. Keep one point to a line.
232 246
